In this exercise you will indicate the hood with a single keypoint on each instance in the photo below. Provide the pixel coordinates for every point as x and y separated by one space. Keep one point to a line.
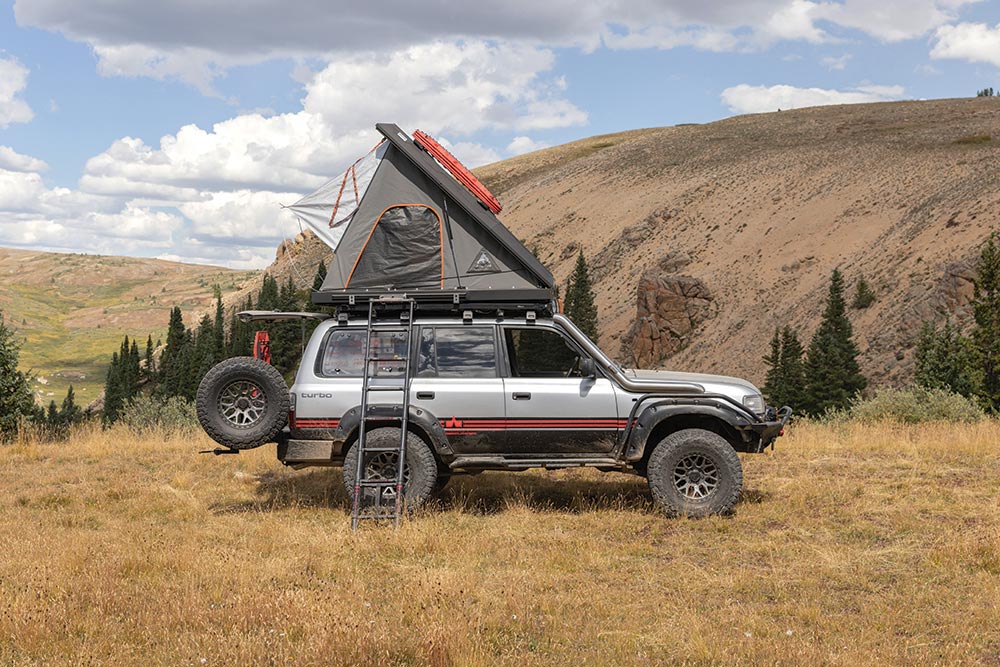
713 384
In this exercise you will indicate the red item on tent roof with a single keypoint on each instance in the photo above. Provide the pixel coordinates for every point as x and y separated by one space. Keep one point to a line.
457 169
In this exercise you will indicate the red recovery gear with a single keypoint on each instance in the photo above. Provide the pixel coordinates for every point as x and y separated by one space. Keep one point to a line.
457 169
262 347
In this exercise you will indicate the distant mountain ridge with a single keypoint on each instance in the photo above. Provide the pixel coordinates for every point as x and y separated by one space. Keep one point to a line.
72 310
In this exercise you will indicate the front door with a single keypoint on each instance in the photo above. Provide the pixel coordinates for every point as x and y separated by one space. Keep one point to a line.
550 408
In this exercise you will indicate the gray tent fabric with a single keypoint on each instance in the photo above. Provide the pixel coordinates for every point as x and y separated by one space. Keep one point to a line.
397 220
419 230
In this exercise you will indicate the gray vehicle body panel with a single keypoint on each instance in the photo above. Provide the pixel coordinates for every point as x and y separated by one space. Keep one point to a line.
499 420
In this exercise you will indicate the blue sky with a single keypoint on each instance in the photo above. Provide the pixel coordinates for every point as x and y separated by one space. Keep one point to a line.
176 129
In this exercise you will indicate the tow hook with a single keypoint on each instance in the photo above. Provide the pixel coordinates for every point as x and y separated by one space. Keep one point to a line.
218 451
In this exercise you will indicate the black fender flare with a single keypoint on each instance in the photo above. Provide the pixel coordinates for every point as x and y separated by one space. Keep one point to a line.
391 415
656 413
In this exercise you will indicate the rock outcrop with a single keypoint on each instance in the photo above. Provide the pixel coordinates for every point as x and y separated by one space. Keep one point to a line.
669 308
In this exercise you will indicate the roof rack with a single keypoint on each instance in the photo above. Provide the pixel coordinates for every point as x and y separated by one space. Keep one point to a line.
540 301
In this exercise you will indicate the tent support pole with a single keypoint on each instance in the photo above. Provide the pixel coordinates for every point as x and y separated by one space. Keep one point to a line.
451 243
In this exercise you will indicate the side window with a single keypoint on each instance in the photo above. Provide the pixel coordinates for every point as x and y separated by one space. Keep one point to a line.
540 353
457 352
342 354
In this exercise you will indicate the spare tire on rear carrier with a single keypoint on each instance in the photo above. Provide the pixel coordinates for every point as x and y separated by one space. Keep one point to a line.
243 403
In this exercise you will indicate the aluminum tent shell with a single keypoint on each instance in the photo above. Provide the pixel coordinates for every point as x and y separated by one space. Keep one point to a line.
414 227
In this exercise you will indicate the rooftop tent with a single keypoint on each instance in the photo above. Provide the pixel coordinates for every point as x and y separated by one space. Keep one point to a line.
397 220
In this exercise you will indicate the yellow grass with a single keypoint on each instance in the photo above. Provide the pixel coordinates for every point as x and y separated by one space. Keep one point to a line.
852 545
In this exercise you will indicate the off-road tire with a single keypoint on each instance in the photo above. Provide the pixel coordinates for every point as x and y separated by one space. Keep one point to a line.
242 403
421 466
695 473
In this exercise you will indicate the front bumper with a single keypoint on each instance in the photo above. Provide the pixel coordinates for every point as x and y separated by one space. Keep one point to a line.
769 430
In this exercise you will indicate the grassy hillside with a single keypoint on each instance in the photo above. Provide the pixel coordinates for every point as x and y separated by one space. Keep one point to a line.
72 310
851 546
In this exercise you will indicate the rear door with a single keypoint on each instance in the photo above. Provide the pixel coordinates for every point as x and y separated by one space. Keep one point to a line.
550 408
457 379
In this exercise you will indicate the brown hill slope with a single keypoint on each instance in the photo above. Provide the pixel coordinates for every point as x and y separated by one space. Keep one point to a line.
738 224
758 210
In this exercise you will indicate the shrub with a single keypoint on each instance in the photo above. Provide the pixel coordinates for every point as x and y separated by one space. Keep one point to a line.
912 406
144 414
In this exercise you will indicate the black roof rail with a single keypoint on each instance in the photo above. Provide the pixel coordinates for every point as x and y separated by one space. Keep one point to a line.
540 301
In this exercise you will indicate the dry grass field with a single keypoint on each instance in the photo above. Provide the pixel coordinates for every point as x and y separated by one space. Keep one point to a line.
853 545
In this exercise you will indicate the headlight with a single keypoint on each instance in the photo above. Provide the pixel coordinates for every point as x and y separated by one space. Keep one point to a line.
754 403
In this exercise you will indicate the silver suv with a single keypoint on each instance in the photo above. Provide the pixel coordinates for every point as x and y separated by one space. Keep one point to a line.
494 393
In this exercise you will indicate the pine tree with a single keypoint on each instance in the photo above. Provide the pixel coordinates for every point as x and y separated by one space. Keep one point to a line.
112 392
204 348
945 360
864 295
70 413
833 375
986 332
286 337
218 329
268 297
793 369
241 336
580 306
773 380
149 372
171 373
785 381
16 400
320 277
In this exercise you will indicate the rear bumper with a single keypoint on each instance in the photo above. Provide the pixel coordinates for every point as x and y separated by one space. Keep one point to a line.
768 431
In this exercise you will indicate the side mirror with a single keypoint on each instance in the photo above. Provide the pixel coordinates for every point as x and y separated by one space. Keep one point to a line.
587 368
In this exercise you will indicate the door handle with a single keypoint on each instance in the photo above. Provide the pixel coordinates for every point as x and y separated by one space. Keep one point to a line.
521 396
425 395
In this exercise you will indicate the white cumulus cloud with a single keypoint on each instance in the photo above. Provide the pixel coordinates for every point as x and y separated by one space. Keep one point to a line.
974 42
13 81
745 98
14 161
197 42
459 89
524 144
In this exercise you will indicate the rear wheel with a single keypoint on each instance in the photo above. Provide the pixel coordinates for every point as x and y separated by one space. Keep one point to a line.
242 403
695 473
420 474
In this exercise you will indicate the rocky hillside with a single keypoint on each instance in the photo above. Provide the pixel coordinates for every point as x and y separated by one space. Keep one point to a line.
704 238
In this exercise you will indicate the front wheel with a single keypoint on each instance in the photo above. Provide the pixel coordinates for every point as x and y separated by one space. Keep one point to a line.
695 473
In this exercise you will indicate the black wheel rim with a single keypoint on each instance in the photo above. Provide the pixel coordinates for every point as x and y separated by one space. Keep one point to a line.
696 477
242 403
382 467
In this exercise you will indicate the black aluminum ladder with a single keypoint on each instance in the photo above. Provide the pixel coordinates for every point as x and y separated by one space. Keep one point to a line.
376 497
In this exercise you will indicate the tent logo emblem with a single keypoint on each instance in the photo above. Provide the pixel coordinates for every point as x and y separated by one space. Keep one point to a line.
454 422
483 263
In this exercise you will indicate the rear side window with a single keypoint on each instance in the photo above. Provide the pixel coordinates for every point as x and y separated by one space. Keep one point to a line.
342 354
457 352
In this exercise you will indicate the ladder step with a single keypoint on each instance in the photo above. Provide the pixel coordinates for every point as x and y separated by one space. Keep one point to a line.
371 359
387 516
380 450
382 387
366 484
